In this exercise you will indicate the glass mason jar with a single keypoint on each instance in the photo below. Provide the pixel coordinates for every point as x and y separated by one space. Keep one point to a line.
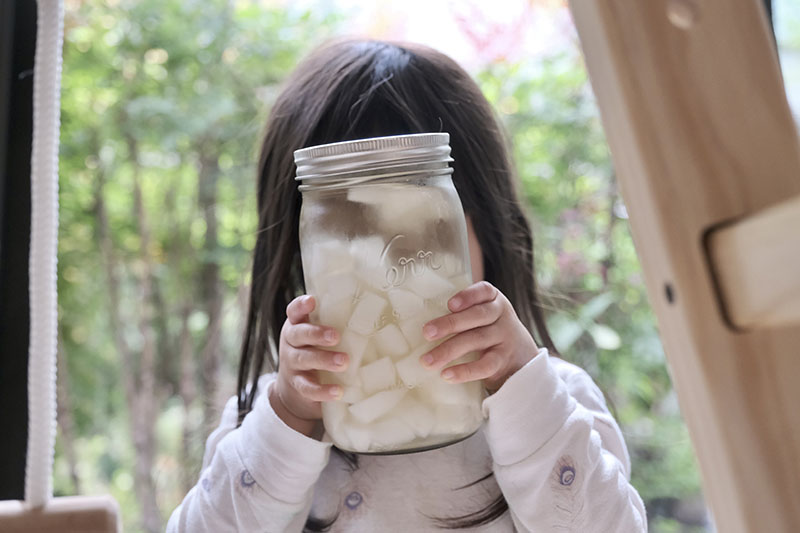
383 241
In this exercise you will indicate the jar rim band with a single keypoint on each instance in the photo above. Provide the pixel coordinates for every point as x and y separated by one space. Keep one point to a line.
379 157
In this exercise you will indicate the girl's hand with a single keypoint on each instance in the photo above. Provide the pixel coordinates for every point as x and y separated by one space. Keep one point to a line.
481 320
297 393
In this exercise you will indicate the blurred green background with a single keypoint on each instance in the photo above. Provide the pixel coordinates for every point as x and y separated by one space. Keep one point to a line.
163 105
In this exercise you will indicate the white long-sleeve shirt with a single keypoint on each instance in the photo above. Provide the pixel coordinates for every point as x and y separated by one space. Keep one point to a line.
557 455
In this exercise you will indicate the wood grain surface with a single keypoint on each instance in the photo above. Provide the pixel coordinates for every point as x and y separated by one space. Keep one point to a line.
696 116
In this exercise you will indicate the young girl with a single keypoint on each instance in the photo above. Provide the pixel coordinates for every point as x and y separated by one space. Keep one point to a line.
550 457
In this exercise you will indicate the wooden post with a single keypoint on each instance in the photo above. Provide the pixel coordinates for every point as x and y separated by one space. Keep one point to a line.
696 116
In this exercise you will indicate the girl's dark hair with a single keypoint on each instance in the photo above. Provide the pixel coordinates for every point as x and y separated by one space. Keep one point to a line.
357 89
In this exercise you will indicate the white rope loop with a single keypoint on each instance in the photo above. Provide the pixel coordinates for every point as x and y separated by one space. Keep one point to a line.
43 249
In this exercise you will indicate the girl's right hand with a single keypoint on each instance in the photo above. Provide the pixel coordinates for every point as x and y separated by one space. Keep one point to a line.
297 393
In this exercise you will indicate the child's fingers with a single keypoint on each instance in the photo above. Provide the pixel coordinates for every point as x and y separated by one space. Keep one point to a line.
317 359
304 334
472 317
478 339
489 364
480 292
298 309
307 385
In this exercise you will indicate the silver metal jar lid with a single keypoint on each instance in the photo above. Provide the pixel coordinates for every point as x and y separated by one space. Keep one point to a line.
351 162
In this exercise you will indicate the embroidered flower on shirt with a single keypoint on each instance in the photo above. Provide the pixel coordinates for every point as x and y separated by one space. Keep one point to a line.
353 500
247 479
206 484
567 475
564 474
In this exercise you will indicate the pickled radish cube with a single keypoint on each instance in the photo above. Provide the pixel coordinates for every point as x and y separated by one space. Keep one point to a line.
376 406
330 257
367 194
366 313
371 264
351 385
351 395
332 312
455 419
391 433
390 341
358 435
461 281
339 438
437 308
452 264
406 205
333 414
374 278
378 376
370 354
418 417
411 371
366 252
440 392
412 330
354 345
336 299
430 285
337 287
412 327
405 304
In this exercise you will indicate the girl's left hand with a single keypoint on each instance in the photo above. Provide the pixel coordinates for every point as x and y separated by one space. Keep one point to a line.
481 320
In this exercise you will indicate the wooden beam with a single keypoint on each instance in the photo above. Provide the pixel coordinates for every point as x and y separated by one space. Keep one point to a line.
696 116
757 267
70 514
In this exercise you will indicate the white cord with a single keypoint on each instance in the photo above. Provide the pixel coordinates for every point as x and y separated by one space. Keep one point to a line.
44 239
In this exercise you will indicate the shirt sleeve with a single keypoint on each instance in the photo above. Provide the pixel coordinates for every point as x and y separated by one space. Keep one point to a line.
258 477
558 455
